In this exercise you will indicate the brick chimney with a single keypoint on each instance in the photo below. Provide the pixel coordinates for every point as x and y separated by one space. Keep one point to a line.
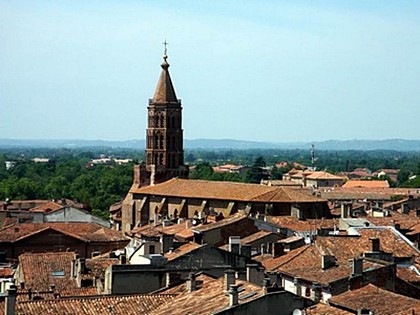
229 279
10 301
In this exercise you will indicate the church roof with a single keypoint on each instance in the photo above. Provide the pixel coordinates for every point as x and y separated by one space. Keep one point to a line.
165 91
202 189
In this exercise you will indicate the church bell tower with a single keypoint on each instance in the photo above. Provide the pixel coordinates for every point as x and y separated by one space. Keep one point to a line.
164 135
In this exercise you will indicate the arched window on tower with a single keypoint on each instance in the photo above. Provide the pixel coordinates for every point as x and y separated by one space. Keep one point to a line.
162 121
160 141
156 121
156 141
161 159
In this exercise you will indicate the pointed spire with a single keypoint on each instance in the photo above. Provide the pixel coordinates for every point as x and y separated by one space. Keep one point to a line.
165 91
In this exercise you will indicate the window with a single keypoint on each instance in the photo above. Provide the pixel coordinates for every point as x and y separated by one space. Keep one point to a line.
151 249
57 273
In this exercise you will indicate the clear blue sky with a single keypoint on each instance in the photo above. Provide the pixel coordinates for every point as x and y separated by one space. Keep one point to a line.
279 71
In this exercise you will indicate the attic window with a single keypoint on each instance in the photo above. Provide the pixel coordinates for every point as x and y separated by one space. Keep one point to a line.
57 273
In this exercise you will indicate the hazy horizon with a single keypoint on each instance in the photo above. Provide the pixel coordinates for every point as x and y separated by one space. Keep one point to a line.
249 71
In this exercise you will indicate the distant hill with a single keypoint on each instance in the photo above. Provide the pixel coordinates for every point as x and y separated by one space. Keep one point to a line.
207 144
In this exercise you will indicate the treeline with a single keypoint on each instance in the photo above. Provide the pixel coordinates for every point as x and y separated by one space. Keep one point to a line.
67 174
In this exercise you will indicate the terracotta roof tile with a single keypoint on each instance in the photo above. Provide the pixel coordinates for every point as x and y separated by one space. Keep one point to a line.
375 299
324 309
209 298
89 232
366 184
43 269
117 305
225 191
294 224
182 250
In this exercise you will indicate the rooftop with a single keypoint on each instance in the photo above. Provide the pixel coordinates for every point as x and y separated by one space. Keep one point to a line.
87 232
378 300
208 298
202 189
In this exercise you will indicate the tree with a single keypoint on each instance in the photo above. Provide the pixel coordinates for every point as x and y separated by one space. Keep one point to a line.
256 172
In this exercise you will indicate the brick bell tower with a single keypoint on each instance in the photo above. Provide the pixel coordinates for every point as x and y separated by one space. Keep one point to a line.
164 135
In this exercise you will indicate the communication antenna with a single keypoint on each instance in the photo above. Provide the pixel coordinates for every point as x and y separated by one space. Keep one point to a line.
313 158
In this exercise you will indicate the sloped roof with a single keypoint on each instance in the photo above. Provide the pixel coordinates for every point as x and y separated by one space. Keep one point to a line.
209 298
182 250
378 300
40 270
202 189
87 232
117 305
324 175
366 184
165 91
324 309
294 224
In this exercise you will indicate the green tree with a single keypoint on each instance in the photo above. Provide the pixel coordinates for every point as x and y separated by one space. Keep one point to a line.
256 172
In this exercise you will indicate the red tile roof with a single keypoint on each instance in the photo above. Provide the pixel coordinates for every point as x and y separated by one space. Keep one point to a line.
294 224
41 270
207 299
87 232
324 309
116 305
202 189
182 250
375 299
366 184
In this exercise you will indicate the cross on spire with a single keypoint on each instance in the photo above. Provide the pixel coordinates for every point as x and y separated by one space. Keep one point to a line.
165 44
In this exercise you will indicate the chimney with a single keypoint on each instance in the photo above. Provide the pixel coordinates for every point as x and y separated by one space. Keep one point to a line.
233 295
346 209
375 244
73 268
246 251
10 301
254 274
167 242
317 293
328 261
234 244
123 259
263 250
297 286
265 285
229 278
405 208
278 249
191 283
82 265
357 266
